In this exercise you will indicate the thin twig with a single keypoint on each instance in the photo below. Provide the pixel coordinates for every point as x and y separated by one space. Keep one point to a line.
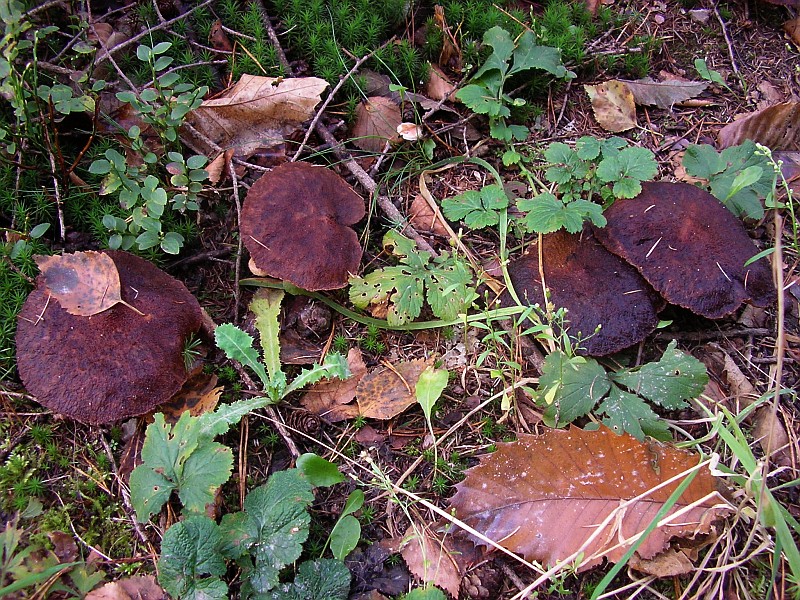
332 93
273 37
728 41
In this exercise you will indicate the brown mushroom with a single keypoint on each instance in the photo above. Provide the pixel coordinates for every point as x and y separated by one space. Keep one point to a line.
115 364
295 223
595 286
689 247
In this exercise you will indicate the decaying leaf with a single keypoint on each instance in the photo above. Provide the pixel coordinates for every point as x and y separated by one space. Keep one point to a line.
551 496
596 287
792 27
664 94
296 225
432 559
84 283
670 563
139 587
198 395
377 119
330 399
613 105
387 391
777 127
257 112
439 85
115 364
689 247
424 218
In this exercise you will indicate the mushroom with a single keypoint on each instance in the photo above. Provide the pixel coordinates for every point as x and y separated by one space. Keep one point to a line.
117 363
295 223
689 247
595 286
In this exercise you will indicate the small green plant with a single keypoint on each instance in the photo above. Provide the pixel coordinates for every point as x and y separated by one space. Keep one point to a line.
372 342
571 386
478 209
709 74
486 93
445 282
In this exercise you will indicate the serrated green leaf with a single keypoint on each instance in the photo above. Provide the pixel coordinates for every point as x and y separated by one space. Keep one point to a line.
238 345
318 471
149 492
266 306
529 55
203 473
345 536
546 214
429 388
427 593
669 382
587 147
477 208
239 532
575 385
702 161
280 511
324 578
627 188
478 99
212 424
637 163
334 367
626 412
190 550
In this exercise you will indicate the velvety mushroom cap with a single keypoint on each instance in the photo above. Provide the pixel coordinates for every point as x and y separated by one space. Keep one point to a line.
115 364
689 247
595 286
295 223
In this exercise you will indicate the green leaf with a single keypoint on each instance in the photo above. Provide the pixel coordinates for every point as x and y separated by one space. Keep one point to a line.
239 532
702 161
571 387
172 242
238 345
39 231
426 593
675 378
500 41
334 367
203 473
149 491
100 167
529 55
318 471
510 157
546 214
478 99
477 208
321 579
449 285
353 503
629 413
627 188
429 388
190 550
587 147
709 74
162 47
345 536
212 424
266 306
745 178
637 163
279 509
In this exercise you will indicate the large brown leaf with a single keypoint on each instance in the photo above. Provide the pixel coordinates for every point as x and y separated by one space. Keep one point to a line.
664 94
331 398
257 112
550 496
777 127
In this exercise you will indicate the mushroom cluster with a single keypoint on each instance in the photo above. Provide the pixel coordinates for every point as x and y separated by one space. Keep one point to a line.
673 242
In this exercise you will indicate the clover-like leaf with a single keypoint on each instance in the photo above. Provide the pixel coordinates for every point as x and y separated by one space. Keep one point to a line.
546 214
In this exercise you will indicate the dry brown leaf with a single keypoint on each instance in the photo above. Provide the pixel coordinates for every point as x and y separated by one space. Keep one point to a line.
331 399
198 395
613 105
792 27
376 123
777 127
84 283
218 38
431 559
450 57
133 588
257 112
664 94
550 496
439 85
423 217
670 563
387 391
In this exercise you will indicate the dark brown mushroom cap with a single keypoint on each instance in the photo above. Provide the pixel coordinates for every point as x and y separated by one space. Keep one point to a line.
295 223
115 364
689 247
595 286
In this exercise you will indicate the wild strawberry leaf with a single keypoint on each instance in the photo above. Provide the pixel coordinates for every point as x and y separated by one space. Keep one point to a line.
546 214
565 492
477 208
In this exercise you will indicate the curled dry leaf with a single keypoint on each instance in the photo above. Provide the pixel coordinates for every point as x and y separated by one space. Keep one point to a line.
689 247
377 119
330 399
387 391
218 38
84 283
424 218
777 127
551 496
613 105
432 559
664 94
670 563
257 112
439 85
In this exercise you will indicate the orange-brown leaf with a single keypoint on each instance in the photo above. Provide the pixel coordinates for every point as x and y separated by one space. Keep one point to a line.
330 399
777 127
432 560
377 119
387 391
84 283
548 497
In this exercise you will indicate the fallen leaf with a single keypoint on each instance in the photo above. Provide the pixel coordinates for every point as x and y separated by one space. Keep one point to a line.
330 399
424 218
670 563
550 496
64 546
140 587
439 85
792 27
84 283
613 105
218 38
768 95
198 395
377 119
450 57
664 94
432 559
387 391
257 112
777 127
